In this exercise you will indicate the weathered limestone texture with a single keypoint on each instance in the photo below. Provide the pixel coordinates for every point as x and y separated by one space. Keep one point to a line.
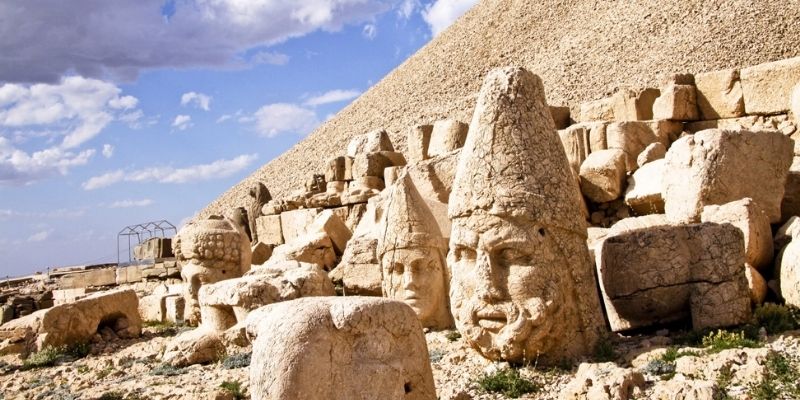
633 137
209 251
294 223
74 322
411 252
597 110
448 135
366 348
575 140
359 271
685 270
719 94
790 273
259 197
757 285
605 381
653 151
602 175
418 140
678 100
197 346
644 189
717 166
746 215
768 87
522 287
795 106
630 105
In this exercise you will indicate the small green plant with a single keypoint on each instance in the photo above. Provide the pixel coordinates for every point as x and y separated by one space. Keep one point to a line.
672 353
82 369
604 351
781 380
165 328
47 357
240 360
508 382
78 350
775 318
723 340
234 388
114 395
453 336
104 372
166 370
661 368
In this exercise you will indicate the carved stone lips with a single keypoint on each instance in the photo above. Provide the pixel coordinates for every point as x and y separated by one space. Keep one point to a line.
491 319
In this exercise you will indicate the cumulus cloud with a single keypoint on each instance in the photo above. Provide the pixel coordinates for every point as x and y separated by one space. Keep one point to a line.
182 122
442 13
270 57
199 100
274 119
108 150
168 174
332 96
131 203
191 33
40 236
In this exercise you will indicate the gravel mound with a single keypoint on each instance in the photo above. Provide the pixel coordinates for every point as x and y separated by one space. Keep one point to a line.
582 49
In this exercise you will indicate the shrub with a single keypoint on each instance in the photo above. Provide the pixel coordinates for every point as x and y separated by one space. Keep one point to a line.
659 367
453 336
723 340
781 380
775 318
234 361
604 351
234 388
508 382
47 357
166 370
673 354
112 396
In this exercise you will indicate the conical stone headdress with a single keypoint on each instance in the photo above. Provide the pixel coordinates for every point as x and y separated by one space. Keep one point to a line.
407 221
513 163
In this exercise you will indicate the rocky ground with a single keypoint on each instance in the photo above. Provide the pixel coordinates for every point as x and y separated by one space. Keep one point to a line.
653 366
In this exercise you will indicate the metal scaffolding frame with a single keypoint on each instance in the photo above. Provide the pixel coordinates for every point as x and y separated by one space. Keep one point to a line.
147 230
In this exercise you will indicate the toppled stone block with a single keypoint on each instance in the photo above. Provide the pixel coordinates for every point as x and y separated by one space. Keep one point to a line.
261 253
602 175
644 189
653 151
314 247
597 110
152 308
560 116
269 229
604 381
448 135
717 167
197 346
748 217
677 103
790 205
719 94
633 137
175 306
90 278
75 322
294 223
684 270
630 105
372 164
575 140
350 339
372 142
767 88
418 141
329 223
359 272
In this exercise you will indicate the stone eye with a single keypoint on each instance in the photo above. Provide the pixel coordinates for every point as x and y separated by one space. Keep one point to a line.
396 268
465 253
512 256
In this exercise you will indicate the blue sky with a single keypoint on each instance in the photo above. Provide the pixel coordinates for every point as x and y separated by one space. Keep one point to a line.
116 113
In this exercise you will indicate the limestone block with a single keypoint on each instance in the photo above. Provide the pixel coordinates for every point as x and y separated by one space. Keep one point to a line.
597 110
789 275
676 103
129 274
716 167
699 265
197 346
790 205
787 232
689 389
329 223
653 151
152 308
372 164
314 247
418 141
604 381
448 135
719 94
635 223
390 174
369 349
630 105
602 175
597 136
434 178
335 170
560 116
757 285
372 142
174 305
76 322
780 122
367 183
575 140
335 187
6 314
767 88
348 168
90 278
261 253
294 223
795 105
633 137
359 272
748 217
644 193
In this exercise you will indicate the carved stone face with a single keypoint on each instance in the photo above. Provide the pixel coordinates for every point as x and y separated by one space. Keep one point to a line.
506 287
416 277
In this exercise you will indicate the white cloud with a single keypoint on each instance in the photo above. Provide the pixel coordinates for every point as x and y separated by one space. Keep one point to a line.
123 103
269 57
442 13
40 236
50 214
108 150
131 203
19 167
407 8
369 31
274 119
332 96
182 122
199 100
193 33
167 174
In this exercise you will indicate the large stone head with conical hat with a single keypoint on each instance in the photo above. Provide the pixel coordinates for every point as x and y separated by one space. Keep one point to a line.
411 252
522 287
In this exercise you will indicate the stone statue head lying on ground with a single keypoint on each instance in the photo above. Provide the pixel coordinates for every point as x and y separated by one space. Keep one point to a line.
411 252
522 286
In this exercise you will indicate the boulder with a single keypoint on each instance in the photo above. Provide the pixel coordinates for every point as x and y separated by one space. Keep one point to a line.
418 141
197 346
329 223
748 217
717 167
719 94
447 135
368 348
767 87
688 270
690 389
789 275
602 175
633 137
653 151
644 189
757 285
604 381
575 140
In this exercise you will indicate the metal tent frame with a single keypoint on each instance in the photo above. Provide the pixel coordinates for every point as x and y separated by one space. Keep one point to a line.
147 230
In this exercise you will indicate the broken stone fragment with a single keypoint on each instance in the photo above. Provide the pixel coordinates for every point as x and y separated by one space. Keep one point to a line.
633 137
418 140
767 88
448 135
269 230
631 105
748 217
677 103
790 273
372 142
602 175
719 94
372 164
604 381
717 167
795 106
369 348
597 110
644 189
575 140
329 223
653 151
757 285
335 170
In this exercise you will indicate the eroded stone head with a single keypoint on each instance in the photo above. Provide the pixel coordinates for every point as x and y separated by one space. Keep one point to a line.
518 256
